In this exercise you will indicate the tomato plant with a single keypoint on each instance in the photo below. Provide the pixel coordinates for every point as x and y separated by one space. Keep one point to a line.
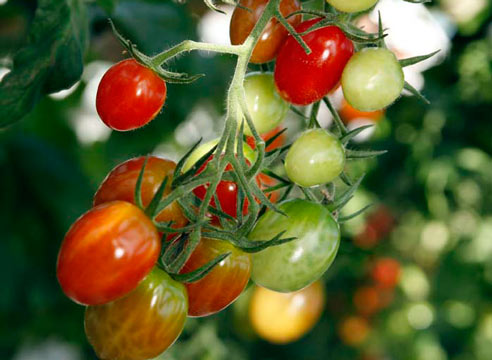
372 80
223 284
316 157
129 96
140 325
352 5
285 317
266 108
272 36
121 182
296 264
302 79
106 253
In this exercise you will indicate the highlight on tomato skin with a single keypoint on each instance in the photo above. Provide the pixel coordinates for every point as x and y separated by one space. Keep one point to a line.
120 184
141 325
106 253
302 79
274 34
129 96
282 318
220 287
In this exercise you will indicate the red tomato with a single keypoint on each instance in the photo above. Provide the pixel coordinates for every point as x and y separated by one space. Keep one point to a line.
386 272
348 113
106 253
367 300
140 325
274 34
303 79
129 96
223 284
226 192
121 181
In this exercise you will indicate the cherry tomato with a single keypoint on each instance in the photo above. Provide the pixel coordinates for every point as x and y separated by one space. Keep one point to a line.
316 157
223 284
265 106
352 5
274 34
140 325
349 114
367 300
121 182
386 272
372 80
354 330
285 317
298 263
129 96
106 253
302 79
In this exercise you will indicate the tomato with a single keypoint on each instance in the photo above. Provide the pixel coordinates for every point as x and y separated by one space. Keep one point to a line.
106 253
223 284
266 108
372 80
386 272
129 96
140 325
367 300
349 114
298 263
302 79
285 317
121 182
352 5
354 330
316 157
274 34
226 191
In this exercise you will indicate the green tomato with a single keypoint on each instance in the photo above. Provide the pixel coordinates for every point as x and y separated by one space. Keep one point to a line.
372 79
351 6
266 108
315 158
298 263
249 153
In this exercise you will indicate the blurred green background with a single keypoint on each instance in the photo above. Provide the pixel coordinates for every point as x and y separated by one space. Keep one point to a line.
436 181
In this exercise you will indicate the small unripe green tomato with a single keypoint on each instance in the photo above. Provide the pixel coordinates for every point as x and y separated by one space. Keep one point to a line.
372 79
316 157
266 108
351 6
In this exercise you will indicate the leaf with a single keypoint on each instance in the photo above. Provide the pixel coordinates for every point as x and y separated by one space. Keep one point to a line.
50 61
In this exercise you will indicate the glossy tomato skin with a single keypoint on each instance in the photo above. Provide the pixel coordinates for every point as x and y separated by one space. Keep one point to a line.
316 157
281 318
302 79
140 325
106 253
352 5
274 34
121 182
129 96
298 263
223 284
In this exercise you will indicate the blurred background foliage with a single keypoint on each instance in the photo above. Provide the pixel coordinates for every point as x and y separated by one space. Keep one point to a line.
435 185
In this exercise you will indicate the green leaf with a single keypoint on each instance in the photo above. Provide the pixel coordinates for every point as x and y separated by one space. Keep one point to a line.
50 61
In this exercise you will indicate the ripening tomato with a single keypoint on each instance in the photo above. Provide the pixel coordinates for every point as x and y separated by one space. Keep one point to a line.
129 96
121 182
354 330
298 263
372 80
367 300
349 114
142 324
316 157
106 253
386 272
281 318
273 35
302 79
221 286
352 6
265 106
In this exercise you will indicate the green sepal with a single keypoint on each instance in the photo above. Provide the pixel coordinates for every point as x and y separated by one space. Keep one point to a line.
274 137
181 178
201 272
345 179
137 195
182 162
336 117
415 93
353 215
363 154
156 199
343 199
416 59
353 133
281 19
